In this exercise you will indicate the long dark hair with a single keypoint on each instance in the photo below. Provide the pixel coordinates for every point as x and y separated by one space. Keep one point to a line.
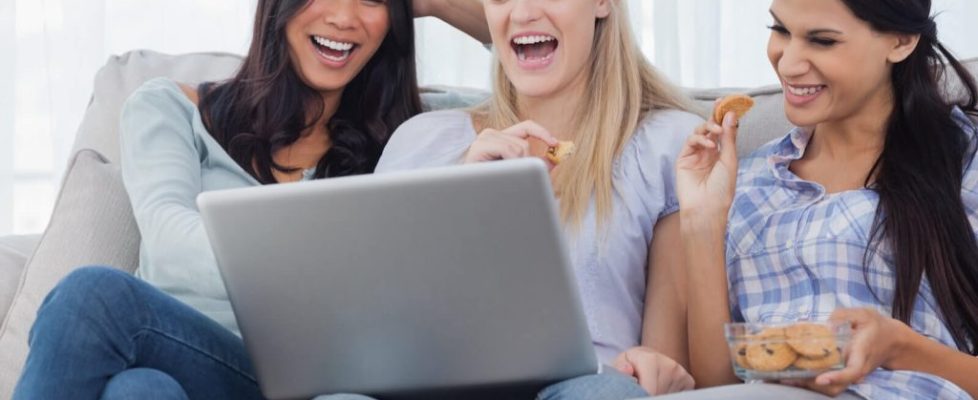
266 105
918 176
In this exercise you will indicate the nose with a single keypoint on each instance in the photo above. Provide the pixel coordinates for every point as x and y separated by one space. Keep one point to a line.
341 14
525 11
793 61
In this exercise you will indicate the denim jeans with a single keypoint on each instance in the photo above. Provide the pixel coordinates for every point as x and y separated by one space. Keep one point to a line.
104 334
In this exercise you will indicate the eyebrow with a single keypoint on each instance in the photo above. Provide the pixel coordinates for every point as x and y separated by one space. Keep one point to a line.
811 32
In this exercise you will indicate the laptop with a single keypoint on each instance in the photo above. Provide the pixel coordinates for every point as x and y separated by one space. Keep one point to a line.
443 282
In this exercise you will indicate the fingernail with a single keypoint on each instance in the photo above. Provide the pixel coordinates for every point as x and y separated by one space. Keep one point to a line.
728 120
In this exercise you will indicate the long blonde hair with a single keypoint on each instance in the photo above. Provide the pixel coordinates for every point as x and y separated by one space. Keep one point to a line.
622 88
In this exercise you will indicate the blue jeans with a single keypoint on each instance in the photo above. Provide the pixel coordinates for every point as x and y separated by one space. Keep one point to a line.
104 334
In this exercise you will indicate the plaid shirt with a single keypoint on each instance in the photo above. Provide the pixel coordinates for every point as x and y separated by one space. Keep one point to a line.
795 252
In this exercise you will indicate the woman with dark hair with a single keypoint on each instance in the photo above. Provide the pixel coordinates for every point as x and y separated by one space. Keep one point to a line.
865 213
322 88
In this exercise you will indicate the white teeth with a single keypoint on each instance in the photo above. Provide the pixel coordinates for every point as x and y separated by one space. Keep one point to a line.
809 91
338 46
525 40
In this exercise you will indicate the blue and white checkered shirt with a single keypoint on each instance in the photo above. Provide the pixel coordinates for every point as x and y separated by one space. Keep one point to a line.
795 252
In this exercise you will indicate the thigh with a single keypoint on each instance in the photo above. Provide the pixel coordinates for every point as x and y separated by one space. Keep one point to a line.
605 386
754 391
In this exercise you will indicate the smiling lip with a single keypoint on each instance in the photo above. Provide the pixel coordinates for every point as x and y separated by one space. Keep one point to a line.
533 64
330 60
801 95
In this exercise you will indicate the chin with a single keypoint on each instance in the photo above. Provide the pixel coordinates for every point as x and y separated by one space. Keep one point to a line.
533 87
802 118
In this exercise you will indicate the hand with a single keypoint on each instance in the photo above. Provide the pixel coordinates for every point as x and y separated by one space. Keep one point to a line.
706 170
508 143
656 373
876 342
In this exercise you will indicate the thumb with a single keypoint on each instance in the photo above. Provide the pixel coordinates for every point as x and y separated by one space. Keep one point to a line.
728 139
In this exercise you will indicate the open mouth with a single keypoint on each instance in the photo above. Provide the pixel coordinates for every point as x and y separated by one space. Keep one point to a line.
333 50
535 49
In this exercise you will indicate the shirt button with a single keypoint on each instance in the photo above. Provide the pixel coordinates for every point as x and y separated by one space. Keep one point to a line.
790 243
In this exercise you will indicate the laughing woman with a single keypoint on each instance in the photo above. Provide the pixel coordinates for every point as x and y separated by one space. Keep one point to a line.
866 213
570 70
319 93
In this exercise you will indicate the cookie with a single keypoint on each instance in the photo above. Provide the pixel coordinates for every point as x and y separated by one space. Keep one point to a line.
560 152
831 358
740 104
810 340
770 353
740 356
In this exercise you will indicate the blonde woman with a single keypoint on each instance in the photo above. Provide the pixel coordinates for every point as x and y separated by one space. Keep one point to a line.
570 70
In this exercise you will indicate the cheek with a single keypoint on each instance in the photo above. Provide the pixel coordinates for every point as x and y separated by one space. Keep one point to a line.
378 25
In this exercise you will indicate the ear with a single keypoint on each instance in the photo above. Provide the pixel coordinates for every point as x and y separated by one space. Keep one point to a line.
602 8
903 47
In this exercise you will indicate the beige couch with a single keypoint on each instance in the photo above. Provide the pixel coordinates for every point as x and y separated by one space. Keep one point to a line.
92 223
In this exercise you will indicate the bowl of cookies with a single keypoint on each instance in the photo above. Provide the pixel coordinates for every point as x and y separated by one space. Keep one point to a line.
786 351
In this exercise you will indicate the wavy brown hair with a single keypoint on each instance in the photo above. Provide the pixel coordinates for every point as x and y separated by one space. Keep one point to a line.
919 173
266 105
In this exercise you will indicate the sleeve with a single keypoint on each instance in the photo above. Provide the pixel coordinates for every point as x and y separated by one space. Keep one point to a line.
660 139
435 139
161 170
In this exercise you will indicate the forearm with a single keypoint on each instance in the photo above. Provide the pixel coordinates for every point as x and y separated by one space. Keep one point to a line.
664 320
922 354
708 305
466 15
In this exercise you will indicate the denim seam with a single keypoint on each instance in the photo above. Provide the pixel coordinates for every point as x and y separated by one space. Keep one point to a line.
196 349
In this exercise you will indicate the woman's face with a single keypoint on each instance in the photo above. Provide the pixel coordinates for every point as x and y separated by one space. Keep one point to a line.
831 64
544 45
330 41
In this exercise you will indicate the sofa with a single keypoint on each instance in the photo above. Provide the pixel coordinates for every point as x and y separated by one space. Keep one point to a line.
92 223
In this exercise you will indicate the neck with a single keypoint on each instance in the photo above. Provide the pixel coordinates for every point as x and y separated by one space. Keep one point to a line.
861 133
331 104
556 112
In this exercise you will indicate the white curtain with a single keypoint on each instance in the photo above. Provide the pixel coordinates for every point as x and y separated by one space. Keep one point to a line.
51 49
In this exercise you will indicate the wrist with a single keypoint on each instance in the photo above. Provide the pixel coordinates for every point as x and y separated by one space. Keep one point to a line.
906 348
700 222
428 8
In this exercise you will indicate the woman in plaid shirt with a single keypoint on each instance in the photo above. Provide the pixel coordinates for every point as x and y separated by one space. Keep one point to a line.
865 213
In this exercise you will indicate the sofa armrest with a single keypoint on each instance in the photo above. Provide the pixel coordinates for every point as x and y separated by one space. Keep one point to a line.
14 252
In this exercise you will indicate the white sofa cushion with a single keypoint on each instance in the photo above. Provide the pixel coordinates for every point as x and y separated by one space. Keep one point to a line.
92 224
14 251
123 74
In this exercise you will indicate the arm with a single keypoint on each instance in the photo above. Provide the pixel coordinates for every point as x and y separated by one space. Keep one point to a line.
918 353
162 175
706 173
664 322
466 15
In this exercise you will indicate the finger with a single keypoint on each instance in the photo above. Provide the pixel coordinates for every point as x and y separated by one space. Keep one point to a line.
521 144
622 365
648 376
529 129
728 139
506 147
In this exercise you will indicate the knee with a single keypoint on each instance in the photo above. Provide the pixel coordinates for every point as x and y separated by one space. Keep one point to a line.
606 386
88 282
143 384
85 291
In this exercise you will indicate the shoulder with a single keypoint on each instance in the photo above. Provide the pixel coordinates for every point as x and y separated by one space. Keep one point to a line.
161 94
432 128
429 139
664 132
